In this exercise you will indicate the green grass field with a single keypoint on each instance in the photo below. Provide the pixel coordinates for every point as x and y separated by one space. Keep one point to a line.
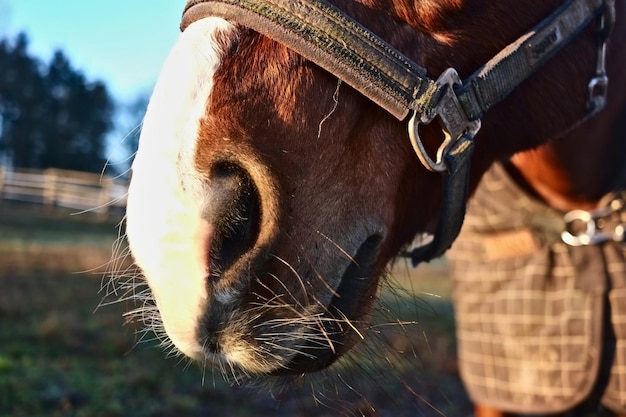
62 355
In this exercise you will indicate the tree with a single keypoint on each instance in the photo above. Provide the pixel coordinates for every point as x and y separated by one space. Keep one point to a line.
51 115
21 90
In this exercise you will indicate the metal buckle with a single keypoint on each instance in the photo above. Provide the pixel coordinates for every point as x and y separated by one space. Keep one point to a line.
452 119
593 227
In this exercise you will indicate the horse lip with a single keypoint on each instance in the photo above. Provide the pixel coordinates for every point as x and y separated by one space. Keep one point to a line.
356 278
342 318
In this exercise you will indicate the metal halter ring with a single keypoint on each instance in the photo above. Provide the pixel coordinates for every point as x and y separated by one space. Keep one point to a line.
452 119
593 227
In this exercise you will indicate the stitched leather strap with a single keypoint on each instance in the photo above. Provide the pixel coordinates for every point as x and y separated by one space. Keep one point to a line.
325 35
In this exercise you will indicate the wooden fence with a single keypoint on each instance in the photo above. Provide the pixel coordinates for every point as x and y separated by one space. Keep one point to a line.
75 190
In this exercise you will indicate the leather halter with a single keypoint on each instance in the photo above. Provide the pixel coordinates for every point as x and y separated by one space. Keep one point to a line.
325 35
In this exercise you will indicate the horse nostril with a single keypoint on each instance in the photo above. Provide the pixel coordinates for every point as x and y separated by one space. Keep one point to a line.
234 208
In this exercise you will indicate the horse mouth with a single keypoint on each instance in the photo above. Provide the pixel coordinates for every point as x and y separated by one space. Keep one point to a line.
346 316
275 340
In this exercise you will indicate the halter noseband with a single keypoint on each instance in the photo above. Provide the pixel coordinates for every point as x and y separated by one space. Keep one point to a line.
325 35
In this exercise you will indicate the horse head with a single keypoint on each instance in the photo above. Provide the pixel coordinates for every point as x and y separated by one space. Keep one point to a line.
267 196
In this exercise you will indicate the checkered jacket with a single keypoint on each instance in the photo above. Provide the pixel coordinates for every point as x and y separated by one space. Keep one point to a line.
540 324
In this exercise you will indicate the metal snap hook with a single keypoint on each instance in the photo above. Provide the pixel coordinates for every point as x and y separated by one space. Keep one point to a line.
598 87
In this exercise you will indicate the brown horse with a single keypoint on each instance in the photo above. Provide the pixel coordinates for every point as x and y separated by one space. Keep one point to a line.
268 196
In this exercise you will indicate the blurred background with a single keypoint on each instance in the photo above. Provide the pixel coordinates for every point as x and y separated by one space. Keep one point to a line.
75 78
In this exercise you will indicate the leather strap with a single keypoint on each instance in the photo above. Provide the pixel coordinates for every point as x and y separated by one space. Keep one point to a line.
328 37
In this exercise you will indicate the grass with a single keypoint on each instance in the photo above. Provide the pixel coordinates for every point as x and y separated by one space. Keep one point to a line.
60 355
35 239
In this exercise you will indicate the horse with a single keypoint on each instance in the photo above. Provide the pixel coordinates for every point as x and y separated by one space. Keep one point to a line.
275 178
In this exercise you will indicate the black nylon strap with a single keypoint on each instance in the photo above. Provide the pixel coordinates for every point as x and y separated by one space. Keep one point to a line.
495 80
326 36
454 196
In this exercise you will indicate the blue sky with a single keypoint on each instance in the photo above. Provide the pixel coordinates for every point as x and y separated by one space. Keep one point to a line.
122 42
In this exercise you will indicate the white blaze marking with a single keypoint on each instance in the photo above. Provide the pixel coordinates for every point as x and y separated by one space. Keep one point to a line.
167 236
